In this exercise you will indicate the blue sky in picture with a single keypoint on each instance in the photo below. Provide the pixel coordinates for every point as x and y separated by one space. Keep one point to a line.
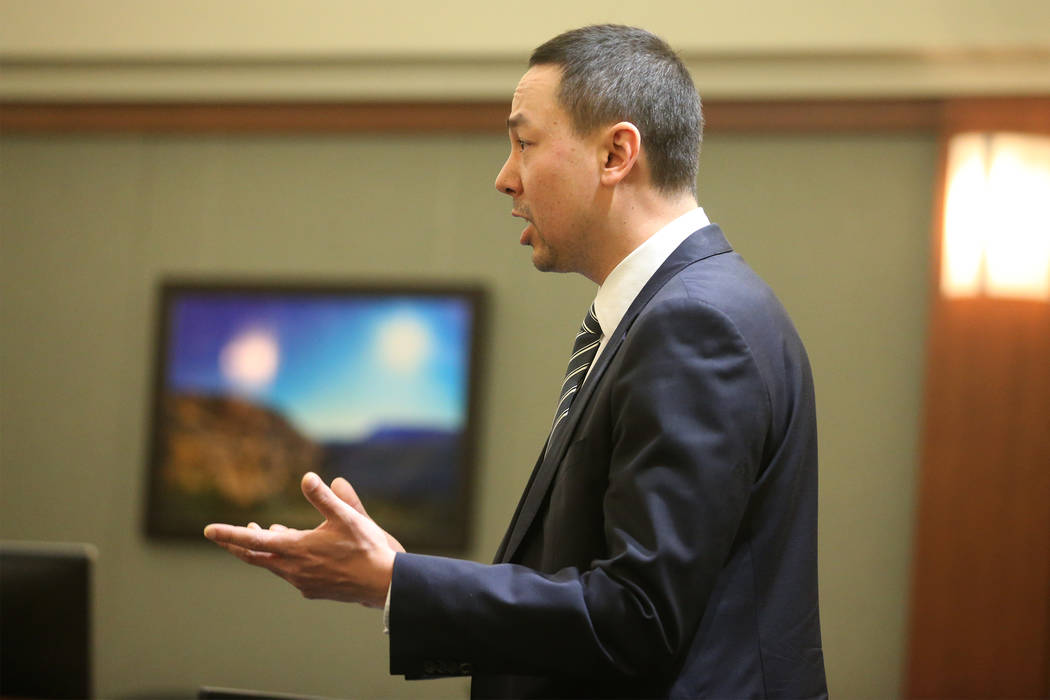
338 366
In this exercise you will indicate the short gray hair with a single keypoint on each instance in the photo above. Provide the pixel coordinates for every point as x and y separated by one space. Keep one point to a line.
613 73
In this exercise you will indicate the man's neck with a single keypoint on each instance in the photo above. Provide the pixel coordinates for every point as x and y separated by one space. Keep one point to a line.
636 223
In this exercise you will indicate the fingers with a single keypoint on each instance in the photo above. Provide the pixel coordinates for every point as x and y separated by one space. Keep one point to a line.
252 538
248 555
324 499
342 488
276 527
263 559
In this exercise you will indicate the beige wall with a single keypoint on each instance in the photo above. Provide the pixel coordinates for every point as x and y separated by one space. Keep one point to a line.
353 49
470 28
837 223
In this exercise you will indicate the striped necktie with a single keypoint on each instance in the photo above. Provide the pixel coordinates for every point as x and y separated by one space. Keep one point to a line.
583 352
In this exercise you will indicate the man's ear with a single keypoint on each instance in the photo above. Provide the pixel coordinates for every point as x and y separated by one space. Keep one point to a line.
621 148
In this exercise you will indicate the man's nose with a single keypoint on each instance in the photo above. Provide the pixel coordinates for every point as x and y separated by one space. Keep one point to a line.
507 181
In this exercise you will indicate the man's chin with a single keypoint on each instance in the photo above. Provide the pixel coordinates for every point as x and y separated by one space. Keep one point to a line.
544 259
541 261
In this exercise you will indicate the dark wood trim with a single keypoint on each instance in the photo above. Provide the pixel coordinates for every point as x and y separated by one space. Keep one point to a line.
490 116
823 115
979 621
255 117
1026 114
978 626
1031 113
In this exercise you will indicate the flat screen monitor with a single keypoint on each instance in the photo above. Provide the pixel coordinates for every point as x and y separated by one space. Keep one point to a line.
45 620
257 383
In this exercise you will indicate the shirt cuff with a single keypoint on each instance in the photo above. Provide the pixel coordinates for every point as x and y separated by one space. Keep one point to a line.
386 610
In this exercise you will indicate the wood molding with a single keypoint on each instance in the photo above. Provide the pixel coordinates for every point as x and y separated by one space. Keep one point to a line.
1027 114
740 115
980 617
254 117
979 622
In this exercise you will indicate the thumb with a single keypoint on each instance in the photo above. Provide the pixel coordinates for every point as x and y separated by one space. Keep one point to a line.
324 500
346 493
342 488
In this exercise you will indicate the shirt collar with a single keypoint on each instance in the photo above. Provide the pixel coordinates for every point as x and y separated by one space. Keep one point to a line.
627 278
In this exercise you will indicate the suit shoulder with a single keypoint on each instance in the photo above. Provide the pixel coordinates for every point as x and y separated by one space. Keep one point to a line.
722 294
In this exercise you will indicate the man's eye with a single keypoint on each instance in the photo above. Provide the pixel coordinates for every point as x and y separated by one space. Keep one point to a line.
521 145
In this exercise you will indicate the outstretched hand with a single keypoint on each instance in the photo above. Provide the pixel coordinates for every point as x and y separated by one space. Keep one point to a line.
348 557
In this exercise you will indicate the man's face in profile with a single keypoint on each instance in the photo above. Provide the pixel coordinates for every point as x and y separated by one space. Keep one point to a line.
552 174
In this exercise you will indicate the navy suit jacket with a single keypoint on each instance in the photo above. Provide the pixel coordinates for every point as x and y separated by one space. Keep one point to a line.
666 545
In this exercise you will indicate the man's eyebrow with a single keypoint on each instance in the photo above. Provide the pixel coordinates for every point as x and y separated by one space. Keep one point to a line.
516 120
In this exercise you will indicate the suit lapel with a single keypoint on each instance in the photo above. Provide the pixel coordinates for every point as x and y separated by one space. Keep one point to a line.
702 244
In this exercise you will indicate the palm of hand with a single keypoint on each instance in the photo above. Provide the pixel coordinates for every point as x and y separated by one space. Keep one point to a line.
348 557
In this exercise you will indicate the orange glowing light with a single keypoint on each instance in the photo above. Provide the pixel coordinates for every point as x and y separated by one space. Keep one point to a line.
996 239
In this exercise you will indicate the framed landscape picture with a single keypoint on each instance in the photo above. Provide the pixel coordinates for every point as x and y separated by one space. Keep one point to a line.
256 384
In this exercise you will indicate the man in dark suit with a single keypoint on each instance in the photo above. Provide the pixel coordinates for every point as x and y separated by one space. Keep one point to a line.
665 545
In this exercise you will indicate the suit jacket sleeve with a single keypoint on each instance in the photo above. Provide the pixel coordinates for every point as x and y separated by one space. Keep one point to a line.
688 418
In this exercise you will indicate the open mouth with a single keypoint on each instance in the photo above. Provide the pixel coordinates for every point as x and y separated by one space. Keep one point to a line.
525 238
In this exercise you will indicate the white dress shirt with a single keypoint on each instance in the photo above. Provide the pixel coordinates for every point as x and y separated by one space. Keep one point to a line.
622 285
